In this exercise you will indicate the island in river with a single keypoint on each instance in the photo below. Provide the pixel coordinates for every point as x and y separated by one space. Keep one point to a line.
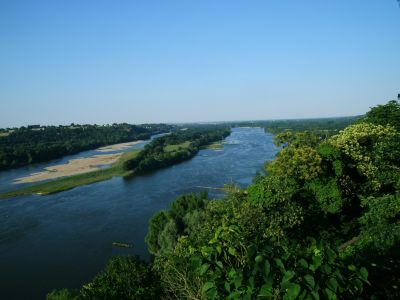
79 165
161 152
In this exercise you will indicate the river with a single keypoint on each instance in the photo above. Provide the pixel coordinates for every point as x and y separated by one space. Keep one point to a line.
63 240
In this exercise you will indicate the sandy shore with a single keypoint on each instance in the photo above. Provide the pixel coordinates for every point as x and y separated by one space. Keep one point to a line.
73 167
116 147
78 165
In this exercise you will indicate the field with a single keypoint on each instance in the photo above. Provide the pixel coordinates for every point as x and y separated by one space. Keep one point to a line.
171 148
214 146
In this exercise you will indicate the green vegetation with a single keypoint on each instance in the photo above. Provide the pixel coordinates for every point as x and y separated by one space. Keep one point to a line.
161 152
388 114
67 183
35 143
321 127
173 148
123 278
214 146
323 222
176 147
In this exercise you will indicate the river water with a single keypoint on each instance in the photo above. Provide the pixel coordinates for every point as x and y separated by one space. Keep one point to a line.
63 240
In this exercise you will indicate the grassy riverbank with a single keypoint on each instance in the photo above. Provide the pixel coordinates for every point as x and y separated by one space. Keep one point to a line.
67 183
214 146
70 182
160 153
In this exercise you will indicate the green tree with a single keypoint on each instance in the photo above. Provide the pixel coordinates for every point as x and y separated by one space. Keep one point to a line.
124 278
387 114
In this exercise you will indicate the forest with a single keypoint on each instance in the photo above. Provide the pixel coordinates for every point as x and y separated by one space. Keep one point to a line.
322 222
323 127
35 143
175 147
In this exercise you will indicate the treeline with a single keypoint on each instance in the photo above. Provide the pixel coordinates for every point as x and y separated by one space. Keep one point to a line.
323 222
325 127
175 147
32 144
322 127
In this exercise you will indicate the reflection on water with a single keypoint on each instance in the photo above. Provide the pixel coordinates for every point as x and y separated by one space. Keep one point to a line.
62 240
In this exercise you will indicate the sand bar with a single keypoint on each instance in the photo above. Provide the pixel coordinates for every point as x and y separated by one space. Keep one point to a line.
72 167
117 147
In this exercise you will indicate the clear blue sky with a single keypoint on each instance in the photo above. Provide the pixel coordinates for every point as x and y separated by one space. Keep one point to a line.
180 61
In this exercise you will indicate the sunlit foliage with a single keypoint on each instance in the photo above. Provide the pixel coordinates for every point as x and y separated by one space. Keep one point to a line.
323 222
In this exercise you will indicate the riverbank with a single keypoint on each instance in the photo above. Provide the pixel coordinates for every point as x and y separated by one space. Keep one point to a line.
86 171
72 167
117 147
214 146
67 183
79 165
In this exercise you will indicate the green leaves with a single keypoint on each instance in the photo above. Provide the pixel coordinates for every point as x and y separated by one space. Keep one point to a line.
266 290
267 268
316 263
124 278
232 251
333 284
364 274
259 259
204 268
286 277
280 265
292 292
209 290
309 279
330 295
352 267
313 274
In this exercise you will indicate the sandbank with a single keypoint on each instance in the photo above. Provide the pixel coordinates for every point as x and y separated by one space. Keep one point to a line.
116 147
73 167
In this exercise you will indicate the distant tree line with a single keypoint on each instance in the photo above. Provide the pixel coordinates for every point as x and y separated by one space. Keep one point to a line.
176 147
322 127
325 127
35 143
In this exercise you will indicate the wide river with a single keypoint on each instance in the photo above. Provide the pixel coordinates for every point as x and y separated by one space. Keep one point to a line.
63 240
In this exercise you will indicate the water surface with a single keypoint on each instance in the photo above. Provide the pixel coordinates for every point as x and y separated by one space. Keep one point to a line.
63 240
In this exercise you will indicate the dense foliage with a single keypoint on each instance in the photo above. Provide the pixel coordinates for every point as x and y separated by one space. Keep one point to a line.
388 114
323 222
26 145
123 278
175 147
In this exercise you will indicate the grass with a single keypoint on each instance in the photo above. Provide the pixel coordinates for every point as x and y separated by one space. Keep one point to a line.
214 146
67 183
171 148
